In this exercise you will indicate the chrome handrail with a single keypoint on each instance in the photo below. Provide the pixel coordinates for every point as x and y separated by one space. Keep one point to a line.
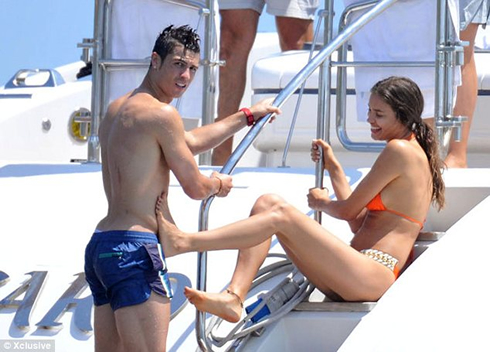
230 165
322 14
341 96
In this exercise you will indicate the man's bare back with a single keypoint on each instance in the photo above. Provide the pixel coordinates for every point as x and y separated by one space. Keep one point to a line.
142 138
135 170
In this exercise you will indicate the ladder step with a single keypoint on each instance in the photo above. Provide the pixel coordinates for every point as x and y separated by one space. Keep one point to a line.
335 306
430 236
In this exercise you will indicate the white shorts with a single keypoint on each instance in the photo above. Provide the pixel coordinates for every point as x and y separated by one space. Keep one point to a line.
474 11
303 9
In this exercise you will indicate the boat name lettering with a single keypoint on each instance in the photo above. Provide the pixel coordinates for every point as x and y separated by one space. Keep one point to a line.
3 278
81 307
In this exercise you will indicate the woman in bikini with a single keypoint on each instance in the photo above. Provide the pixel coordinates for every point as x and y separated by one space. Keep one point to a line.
385 212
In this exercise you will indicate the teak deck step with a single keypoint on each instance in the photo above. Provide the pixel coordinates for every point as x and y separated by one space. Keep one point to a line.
430 236
335 306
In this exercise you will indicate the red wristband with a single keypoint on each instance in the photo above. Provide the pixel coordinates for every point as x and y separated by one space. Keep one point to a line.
249 116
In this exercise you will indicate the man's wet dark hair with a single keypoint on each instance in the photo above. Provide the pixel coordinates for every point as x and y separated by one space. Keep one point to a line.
173 36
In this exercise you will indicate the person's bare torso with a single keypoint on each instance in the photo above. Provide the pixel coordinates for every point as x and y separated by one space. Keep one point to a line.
134 169
409 194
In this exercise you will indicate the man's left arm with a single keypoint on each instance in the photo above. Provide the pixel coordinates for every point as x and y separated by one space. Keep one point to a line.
209 136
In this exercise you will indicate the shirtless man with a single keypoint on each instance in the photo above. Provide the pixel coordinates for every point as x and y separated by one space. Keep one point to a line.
142 139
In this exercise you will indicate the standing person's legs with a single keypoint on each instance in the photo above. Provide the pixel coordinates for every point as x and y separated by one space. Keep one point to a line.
467 95
142 327
105 332
294 21
238 30
293 32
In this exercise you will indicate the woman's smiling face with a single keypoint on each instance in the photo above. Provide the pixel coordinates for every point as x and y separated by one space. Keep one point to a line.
384 124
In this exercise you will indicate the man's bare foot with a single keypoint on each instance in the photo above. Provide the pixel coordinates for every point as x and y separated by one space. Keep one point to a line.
226 305
171 238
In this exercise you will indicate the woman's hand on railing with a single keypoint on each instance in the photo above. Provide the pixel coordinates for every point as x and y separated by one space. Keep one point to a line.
318 198
318 148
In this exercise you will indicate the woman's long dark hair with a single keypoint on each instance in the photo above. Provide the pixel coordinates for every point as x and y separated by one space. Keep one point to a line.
405 98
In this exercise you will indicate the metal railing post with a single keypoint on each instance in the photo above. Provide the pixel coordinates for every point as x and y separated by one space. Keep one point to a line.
324 99
93 146
209 75
449 54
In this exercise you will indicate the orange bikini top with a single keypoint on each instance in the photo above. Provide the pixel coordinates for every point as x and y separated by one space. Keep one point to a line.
376 204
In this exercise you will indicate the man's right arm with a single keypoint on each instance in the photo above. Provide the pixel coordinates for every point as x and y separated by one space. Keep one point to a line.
170 134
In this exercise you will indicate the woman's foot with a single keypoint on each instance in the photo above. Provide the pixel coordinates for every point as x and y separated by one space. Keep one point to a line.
226 305
171 238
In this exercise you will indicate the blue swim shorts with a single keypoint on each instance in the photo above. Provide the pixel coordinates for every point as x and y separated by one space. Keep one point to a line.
123 267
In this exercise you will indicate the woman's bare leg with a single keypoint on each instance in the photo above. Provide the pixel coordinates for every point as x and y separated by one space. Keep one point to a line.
328 262
233 236
226 304
229 304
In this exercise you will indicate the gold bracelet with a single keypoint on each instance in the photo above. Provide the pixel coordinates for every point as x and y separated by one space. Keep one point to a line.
220 185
